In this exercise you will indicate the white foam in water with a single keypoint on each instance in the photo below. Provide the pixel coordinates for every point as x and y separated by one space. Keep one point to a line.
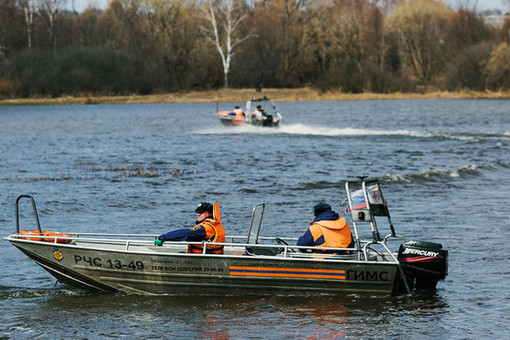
300 129
427 173
308 130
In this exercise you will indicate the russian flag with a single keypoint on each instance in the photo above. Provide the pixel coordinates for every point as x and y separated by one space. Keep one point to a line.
358 199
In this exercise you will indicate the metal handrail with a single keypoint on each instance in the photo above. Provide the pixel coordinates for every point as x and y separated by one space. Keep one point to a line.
394 236
293 249
382 244
401 270
35 212
288 250
86 237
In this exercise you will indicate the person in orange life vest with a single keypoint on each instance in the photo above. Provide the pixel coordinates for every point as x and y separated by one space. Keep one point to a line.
237 113
207 228
328 229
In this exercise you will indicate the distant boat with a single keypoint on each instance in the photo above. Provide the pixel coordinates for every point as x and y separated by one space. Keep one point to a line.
251 115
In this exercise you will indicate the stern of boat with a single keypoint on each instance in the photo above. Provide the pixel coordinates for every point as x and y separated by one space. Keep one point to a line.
424 264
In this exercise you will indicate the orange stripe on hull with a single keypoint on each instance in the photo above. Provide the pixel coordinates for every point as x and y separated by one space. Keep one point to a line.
288 272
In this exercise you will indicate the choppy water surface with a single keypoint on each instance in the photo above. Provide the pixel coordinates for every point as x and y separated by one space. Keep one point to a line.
445 167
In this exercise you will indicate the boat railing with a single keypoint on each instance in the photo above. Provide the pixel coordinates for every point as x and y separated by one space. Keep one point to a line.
130 241
277 247
386 255
38 238
386 238
34 209
391 255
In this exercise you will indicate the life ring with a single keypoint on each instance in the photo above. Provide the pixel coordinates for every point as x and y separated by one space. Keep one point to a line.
53 234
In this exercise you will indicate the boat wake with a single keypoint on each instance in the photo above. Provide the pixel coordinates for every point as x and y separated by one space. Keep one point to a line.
296 129
306 130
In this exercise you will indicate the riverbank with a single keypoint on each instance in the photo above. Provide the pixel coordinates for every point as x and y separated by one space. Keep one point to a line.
241 95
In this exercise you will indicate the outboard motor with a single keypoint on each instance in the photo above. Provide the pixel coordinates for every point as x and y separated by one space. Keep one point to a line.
424 264
268 121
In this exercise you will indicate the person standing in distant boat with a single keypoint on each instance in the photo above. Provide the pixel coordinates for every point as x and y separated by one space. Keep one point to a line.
207 228
328 229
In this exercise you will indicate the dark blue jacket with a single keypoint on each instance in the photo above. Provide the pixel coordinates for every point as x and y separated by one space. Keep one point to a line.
196 233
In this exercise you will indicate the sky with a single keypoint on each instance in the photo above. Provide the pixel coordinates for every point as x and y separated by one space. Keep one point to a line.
81 5
481 5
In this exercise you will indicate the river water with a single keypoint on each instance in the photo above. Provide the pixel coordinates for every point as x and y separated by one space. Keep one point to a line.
141 168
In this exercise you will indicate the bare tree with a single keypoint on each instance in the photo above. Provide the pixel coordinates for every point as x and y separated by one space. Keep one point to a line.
420 28
29 9
51 9
170 34
225 16
295 34
347 28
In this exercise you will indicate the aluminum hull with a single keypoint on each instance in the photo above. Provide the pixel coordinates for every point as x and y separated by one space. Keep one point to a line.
145 269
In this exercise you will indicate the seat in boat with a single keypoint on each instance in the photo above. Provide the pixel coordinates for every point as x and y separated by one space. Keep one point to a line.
255 223
253 234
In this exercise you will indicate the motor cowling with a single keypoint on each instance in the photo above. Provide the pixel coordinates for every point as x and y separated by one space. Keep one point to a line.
424 263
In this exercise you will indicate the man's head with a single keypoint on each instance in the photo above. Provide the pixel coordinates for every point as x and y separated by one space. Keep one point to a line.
259 107
321 208
204 210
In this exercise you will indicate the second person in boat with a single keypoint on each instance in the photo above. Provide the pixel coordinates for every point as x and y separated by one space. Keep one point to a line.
261 115
207 228
328 229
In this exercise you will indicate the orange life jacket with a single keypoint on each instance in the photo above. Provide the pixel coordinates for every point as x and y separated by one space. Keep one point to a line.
336 233
214 233
239 113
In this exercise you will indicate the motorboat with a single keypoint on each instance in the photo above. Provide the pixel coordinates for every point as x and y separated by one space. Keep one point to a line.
250 115
250 264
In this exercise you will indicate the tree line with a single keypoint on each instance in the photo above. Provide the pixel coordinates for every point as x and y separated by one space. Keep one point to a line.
157 46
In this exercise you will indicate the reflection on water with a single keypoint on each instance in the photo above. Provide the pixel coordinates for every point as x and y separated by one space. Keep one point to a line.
311 317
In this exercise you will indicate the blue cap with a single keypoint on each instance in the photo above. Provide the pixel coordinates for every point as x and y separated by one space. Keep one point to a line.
321 208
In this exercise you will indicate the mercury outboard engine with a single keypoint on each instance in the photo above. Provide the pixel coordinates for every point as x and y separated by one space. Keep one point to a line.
424 264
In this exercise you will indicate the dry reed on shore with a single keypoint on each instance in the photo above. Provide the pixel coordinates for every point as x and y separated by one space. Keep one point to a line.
241 95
